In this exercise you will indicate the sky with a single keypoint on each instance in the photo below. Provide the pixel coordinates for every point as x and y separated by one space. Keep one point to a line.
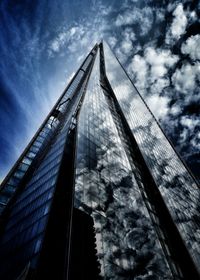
42 44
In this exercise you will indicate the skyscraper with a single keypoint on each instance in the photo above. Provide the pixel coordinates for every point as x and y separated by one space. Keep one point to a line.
100 193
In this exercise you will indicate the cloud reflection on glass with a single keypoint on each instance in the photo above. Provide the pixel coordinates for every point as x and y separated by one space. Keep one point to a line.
180 192
127 244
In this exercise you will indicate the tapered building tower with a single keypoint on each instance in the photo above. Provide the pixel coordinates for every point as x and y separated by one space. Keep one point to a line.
100 193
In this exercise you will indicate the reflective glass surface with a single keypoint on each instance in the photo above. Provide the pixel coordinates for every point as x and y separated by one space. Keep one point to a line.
43 137
177 187
106 188
28 217
24 232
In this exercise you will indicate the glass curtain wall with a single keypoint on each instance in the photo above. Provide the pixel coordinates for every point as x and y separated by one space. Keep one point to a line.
40 141
177 187
22 239
105 188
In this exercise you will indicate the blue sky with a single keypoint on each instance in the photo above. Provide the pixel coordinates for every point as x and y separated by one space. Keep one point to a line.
42 43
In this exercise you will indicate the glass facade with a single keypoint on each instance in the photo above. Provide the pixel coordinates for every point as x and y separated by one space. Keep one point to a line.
24 231
124 175
41 139
106 188
176 185
39 143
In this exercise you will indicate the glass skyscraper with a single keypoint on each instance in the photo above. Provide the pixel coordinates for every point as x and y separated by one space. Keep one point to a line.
99 192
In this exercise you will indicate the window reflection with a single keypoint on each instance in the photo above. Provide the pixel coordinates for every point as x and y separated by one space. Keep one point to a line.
107 190
177 187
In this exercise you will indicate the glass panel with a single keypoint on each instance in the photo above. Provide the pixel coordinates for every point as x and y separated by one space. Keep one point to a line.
177 187
106 189
28 215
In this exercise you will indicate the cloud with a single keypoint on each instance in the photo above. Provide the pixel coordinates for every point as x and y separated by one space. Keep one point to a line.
126 46
191 47
189 122
80 37
143 18
158 105
178 26
124 19
159 61
112 41
189 134
139 68
185 78
64 38
175 109
150 72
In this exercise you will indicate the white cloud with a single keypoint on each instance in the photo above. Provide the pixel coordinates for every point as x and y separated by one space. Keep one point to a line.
175 109
142 17
112 41
160 15
120 54
191 47
160 61
178 25
189 122
82 36
127 39
73 30
139 68
159 85
55 46
158 105
62 38
129 34
196 141
126 46
124 19
184 79
192 16
150 71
